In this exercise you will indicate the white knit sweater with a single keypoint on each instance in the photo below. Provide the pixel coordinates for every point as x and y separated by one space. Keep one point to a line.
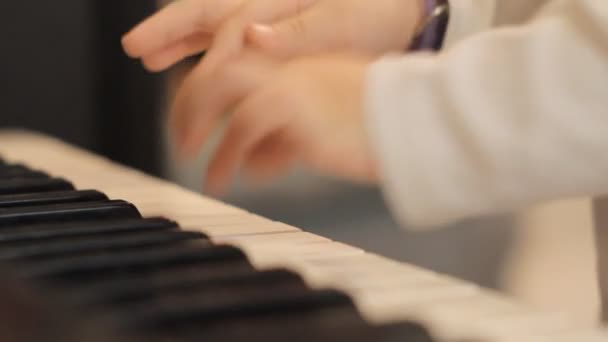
513 112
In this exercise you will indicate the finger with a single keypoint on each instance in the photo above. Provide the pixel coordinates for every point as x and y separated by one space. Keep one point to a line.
186 109
189 46
205 96
272 157
174 22
310 32
254 120
197 108
344 158
230 37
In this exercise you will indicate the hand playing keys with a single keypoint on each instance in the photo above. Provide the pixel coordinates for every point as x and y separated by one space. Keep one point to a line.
291 72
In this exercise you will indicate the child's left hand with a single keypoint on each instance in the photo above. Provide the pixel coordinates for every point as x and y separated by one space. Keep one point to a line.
308 110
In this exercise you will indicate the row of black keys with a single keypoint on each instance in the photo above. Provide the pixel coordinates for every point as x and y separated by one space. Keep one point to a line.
147 277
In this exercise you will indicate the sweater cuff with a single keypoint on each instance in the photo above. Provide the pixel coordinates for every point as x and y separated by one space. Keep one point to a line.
468 17
417 168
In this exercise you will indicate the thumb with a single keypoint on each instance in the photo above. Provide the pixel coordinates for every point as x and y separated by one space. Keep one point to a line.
308 32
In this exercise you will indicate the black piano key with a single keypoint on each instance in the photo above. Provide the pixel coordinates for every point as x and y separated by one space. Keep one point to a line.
28 185
53 231
404 331
334 326
29 199
65 212
84 246
121 287
307 325
118 264
140 289
331 324
173 315
15 171
30 314
14 167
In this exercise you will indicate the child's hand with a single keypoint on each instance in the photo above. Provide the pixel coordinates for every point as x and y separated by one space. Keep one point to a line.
317 26
308 110
298 27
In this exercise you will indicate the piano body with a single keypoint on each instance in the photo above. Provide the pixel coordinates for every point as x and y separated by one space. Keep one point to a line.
121 249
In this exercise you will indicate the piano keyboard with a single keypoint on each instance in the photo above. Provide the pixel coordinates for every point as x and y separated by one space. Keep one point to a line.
156 262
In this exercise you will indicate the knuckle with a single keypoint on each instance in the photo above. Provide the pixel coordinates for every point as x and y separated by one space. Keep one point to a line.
195 41
297 26
205 20
169 35
203 23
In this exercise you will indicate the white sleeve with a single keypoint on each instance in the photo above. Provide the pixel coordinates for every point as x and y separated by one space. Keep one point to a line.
506 118
468 17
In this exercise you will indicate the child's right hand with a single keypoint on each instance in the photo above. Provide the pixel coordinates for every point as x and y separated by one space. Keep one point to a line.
295 27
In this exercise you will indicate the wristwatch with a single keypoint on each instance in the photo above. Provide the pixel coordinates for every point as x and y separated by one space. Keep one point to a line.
431 32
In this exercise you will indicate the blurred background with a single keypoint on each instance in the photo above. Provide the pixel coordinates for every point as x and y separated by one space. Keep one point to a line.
64 73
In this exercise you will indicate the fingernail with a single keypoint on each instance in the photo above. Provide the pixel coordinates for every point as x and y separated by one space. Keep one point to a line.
262 29
260 35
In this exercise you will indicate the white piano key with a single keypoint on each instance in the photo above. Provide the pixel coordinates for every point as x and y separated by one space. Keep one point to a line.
237 229
287 240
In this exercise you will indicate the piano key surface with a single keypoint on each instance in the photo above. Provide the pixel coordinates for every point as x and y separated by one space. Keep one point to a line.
383 290
10 201
23 234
